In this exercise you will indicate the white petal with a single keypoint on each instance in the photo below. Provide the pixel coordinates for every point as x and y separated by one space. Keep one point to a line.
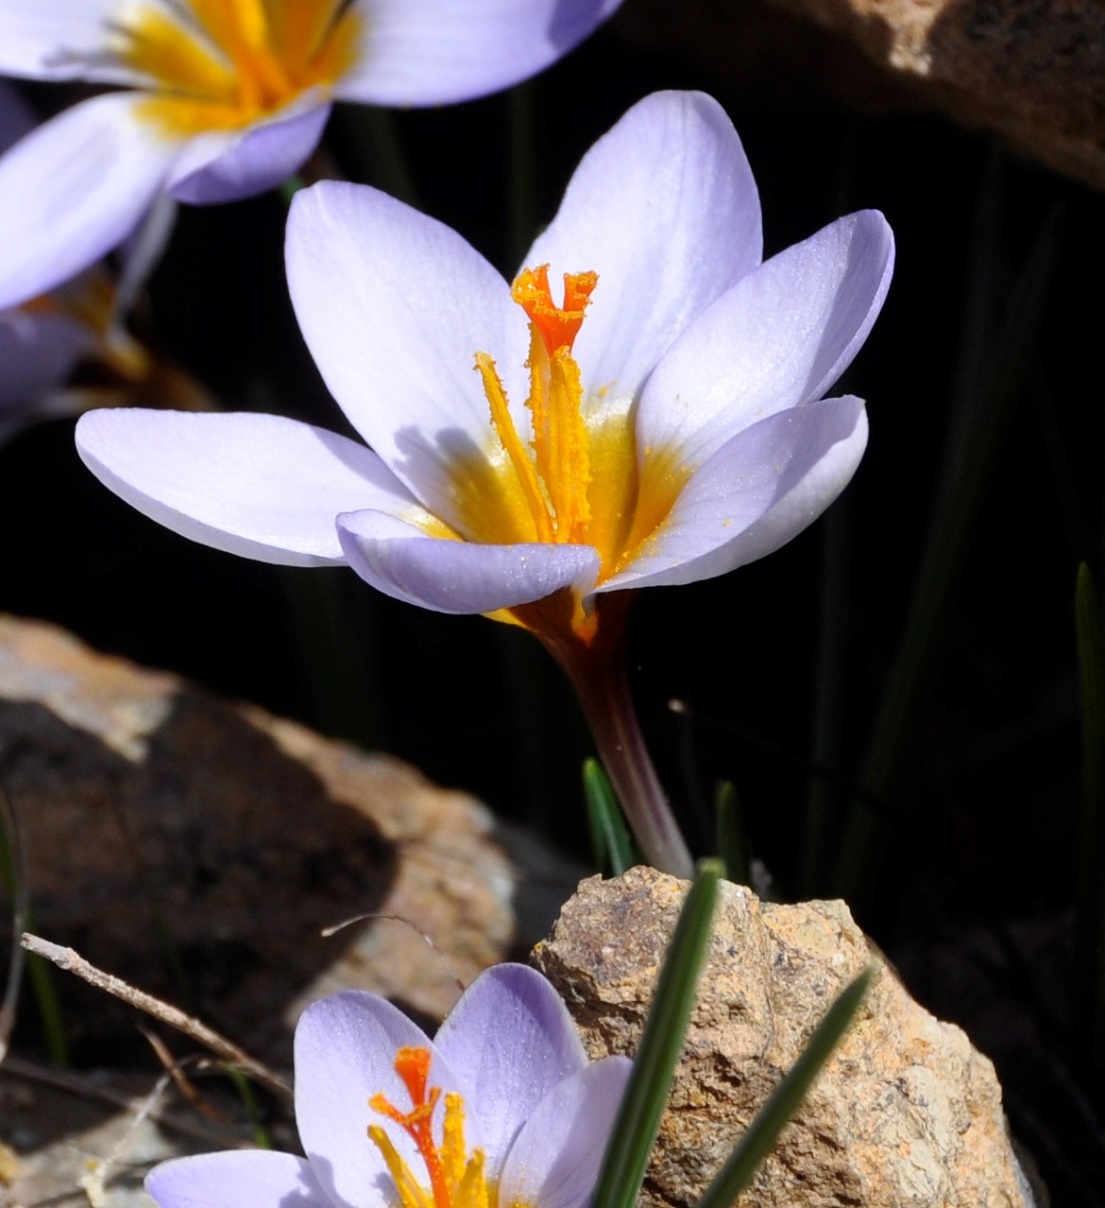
261 486
72 190
459 576
757 492
556 1158
435 52
345 1049
59 40
665 210
218 167
259 1178
510 1041
780 337
394 306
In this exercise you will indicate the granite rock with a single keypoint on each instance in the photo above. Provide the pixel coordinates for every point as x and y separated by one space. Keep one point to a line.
906 1115
1032 71
198 847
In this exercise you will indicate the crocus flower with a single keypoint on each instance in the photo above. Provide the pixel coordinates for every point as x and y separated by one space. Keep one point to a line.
501 1108
539 459
228 98
78 324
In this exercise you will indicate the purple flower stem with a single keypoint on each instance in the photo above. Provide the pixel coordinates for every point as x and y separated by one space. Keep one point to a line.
597 672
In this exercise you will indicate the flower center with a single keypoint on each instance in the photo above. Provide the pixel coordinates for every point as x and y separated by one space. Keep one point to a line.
575 480
222 64
457 1178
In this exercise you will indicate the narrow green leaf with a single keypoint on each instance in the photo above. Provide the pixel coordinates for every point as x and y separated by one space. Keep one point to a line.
40 975
772 1118
627 1152
610 837
732 841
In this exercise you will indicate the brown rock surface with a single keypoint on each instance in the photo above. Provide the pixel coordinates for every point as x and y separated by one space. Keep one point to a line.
906 1115
197 847
1031 70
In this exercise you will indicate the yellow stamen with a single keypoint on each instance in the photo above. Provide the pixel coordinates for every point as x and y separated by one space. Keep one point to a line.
512 445
222 64
457 1178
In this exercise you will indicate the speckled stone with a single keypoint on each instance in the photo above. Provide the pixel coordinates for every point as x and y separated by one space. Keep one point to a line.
906 1115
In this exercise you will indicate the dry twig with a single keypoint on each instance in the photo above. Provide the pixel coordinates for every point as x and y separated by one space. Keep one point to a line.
73 962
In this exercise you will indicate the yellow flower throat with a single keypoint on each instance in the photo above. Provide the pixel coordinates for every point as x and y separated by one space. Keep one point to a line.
575 480
222 64
457 1178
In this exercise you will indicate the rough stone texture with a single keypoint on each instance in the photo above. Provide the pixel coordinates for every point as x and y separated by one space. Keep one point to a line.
1031 70
906 1115
198 847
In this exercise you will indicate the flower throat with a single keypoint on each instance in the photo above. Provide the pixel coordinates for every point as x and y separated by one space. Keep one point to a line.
222 64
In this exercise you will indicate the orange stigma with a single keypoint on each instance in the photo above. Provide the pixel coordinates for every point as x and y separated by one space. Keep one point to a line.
456 1178
557 325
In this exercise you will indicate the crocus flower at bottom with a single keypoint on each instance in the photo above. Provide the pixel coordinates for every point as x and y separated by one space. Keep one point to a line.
501 1108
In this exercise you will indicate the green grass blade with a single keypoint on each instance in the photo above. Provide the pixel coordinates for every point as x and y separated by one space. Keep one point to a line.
627 1152
761 1135
610 837
732 841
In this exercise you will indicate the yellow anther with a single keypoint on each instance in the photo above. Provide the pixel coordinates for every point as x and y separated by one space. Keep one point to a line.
456 1176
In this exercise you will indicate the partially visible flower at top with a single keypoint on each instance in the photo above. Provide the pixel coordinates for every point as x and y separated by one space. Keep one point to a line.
76 326
540 460
501 1110
229 98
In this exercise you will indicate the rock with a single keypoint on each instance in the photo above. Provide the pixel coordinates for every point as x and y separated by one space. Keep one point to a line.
906 1115
1031 70
198 847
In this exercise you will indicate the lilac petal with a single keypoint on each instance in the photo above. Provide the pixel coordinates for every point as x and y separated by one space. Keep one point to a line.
510 1041
38 351
219 167
394 306
345 1049
555 1160
757 492
780 337
459 576
259 1178
16 116
261 486
72 190
59 40
664 208
435 52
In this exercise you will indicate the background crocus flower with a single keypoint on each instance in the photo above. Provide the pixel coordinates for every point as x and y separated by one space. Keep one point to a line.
502 1107
229 98
538 459
77 324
